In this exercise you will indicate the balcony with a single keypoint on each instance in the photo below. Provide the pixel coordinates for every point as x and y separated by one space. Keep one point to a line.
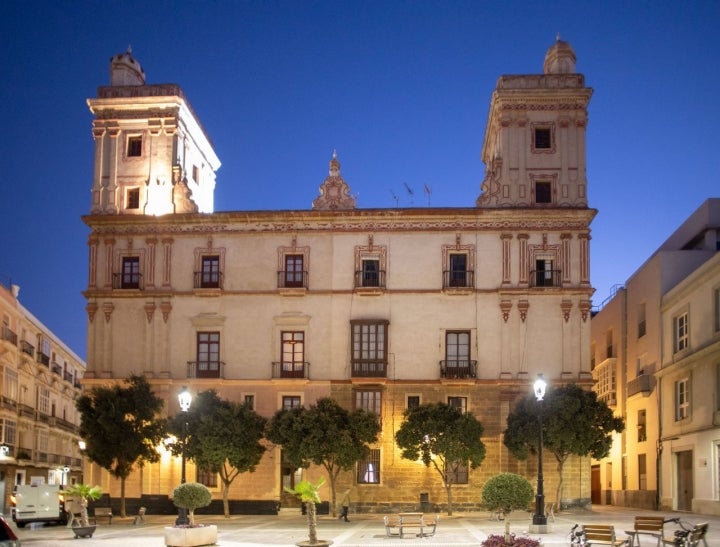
64 424
458 279
127 281
292 280
367 279
545 278
609 398
458 370
43 359
207 280
205 369
27 348
9 335
644 383
291 370
26 411
10 404
369 369
56 369
68 377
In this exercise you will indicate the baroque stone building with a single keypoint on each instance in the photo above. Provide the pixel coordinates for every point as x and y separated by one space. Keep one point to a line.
39 425
378 308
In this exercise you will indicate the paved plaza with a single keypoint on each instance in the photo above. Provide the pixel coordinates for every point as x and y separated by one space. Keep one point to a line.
288 528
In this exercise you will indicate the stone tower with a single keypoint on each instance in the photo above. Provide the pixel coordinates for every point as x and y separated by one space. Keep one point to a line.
534 147
152 155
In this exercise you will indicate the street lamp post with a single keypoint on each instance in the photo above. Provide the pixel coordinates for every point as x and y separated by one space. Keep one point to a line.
184 398
539 518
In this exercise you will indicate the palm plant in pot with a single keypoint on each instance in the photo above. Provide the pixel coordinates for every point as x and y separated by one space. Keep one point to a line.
309 494
82 493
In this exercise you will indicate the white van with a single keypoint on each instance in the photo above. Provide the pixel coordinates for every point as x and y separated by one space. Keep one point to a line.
38 503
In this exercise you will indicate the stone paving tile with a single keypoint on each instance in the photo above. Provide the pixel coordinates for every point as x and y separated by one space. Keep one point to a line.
462 529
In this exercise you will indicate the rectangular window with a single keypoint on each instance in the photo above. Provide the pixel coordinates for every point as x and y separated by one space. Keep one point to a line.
130 272
208 355
249 401
371 272
369 349
641 320
458 274
368 469
642 426
196 173
542 138
545 275
681 332
413 401
543 191
291 401
10 386
609 350
682 399
457 472
207 477
293 270
9 428
458 402
210 275
132 198
369 400
642 472
716 309
457 356
293 354
44 400
134 146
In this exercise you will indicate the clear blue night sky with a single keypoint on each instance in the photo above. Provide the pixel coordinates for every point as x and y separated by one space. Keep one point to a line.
401 89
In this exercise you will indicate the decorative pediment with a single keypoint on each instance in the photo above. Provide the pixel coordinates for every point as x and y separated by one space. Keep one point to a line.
334 191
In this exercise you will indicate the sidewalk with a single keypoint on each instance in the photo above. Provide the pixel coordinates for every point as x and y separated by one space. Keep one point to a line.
286 529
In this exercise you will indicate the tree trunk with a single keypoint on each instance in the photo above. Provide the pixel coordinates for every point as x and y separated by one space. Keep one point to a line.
226 502
191 517
558 493
84 512
448 488
122 497
312 522
508 541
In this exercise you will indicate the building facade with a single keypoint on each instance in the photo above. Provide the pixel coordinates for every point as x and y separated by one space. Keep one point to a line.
377 308
41 380
656 360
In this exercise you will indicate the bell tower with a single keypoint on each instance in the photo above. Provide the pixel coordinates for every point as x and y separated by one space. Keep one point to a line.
534 148
152 155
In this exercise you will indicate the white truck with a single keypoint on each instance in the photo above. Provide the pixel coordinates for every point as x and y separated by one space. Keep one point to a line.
38 503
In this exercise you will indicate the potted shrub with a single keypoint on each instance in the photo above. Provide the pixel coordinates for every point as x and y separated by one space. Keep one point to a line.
504 493
191 496
81 493
309 494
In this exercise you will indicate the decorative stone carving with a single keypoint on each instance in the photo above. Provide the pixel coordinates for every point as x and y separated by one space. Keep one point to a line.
334 191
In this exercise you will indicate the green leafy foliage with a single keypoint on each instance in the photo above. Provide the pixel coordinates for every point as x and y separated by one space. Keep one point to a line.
223 437
309 494
574 422
121 427
191 496
507 492
84 492
324 434
442 437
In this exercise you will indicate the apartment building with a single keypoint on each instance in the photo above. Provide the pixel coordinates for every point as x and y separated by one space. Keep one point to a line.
379 308
41 380
655 360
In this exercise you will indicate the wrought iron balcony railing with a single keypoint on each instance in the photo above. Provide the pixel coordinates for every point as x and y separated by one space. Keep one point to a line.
458 369
207 280
291 370
127 281
9 335
369 369
205 369
545 278
644 383
458 279
370 279
292 280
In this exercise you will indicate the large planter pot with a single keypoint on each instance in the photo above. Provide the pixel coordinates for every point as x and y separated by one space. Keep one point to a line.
83 531
318 543
185 536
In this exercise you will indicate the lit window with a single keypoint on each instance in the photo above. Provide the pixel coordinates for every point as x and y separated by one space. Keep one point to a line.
132 198
10 386
642 426
368 469
457 362
458 402
208 355
369 351
291 401
293 354
44 400
369 400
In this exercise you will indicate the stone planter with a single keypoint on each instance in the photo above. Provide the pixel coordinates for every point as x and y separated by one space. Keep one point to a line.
318 543
83 531
185 536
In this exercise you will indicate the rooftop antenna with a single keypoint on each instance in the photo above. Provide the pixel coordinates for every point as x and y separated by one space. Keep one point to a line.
410 192
428 192
395 198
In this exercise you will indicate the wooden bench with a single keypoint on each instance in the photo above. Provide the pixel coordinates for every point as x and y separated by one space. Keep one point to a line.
696 535
103 513
602 534
410 523
648 525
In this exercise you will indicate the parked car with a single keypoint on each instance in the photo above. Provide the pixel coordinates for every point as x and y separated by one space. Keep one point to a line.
7 536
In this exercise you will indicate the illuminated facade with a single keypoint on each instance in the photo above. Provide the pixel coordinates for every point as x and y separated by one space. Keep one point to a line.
378 308
656 359
40 383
